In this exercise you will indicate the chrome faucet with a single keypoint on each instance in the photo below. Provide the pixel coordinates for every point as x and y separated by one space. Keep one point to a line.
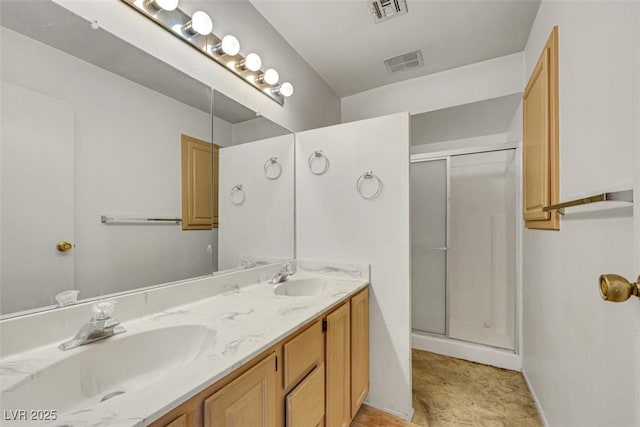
100 326
287 270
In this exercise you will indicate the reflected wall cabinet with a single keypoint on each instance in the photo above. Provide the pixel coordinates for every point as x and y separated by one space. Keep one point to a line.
540 140
199 184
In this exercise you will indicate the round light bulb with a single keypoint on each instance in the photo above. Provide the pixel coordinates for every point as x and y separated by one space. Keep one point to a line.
286 89
168 5
271 76
253 62
230 45
201 23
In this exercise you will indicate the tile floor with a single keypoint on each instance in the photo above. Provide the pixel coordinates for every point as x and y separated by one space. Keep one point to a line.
450 392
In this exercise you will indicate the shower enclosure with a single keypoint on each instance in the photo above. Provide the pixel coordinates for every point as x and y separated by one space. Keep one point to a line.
463 231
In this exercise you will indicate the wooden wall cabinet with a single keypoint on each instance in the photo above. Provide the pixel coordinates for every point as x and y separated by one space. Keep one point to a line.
313 378
200 161
541 172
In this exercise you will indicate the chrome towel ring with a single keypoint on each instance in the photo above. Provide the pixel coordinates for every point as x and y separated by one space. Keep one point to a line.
272 168
318 157
369 177
237 195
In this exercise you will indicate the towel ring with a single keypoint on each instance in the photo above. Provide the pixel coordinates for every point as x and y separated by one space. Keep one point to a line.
273 161
315 156
366 176
237 195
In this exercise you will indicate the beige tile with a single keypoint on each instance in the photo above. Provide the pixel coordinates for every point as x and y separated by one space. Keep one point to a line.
450 392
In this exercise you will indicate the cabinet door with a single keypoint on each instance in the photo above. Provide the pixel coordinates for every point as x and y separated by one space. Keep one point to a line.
338 367
199 184
540 140
249 400
359 350
305 403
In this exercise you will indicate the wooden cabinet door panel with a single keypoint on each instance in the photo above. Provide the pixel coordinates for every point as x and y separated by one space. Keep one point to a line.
540 172
249 400
536 149
199 184
359 350
338 367
302 354
305 404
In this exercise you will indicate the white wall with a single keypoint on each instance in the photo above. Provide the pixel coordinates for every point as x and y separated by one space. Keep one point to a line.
476 82
314 103
255 129
577 349
334 223
126 161
262 226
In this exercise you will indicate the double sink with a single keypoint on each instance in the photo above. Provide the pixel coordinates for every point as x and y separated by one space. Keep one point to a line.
139 359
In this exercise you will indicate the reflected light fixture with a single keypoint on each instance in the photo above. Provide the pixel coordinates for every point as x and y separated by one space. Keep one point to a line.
200 23
196 29
167 5
269 77
252 62
229 45
285 89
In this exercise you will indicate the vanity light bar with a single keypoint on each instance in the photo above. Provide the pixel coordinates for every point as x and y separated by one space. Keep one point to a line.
197 30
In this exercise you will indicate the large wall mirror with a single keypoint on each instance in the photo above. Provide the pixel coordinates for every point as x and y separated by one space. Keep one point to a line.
102 166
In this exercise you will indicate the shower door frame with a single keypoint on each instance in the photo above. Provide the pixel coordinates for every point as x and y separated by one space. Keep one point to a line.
446 155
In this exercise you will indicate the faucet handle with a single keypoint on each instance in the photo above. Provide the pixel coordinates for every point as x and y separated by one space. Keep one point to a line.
102 310
288 268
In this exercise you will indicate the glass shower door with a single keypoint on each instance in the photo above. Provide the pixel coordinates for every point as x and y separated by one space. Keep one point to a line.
429 199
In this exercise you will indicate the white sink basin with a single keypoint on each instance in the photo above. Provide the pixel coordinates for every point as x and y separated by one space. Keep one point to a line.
106 369
306 287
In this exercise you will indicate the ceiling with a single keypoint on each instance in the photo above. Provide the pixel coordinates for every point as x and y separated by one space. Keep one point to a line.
488 117
340 40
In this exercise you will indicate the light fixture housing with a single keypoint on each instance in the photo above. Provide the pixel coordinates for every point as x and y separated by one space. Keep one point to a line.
229 45
196 30
168 5
251 62
286 89
269 77
200 23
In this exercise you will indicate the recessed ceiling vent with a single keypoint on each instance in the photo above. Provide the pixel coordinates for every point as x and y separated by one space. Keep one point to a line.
381 10
405 61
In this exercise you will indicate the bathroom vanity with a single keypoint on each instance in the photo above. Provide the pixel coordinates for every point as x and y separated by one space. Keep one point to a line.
317 373
227 350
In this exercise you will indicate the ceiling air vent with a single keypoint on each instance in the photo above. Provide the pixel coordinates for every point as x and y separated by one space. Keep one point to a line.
403 62
381 10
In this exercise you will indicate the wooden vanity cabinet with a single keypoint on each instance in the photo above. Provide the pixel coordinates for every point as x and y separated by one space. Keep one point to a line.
338 363
315 377
249 400
359 350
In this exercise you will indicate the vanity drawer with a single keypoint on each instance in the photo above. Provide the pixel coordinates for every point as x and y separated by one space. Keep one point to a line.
305 404
302 354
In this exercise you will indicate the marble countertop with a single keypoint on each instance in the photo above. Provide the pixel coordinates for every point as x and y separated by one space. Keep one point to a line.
241 324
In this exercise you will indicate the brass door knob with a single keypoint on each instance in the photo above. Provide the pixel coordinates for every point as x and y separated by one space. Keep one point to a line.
616 288
64 246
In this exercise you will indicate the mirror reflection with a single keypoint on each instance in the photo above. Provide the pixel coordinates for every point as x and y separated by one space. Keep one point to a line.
110 175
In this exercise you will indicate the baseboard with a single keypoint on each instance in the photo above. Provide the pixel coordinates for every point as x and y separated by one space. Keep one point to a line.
535 399
467 351
408 417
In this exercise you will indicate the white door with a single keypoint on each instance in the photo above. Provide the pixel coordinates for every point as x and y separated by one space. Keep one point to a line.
36 198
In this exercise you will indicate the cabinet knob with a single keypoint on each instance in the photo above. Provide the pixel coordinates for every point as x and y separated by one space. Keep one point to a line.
615 288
